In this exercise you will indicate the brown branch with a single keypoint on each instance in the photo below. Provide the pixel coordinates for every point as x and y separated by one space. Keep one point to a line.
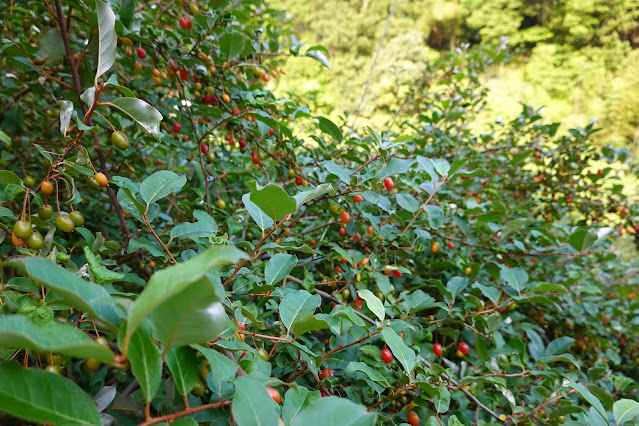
191 410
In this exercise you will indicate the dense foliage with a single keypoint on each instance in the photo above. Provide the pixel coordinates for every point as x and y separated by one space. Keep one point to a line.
180 245
578 59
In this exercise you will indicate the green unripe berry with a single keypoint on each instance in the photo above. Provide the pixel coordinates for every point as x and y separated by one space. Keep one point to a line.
22 229
55 369
77 218
64 223
210 156
199 389
263 354
35 241
93 364
346 293
119 140
45 212
102 341
29 180
221 203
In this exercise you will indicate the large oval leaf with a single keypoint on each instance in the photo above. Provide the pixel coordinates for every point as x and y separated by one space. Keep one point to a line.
19 331
160 184
106 38
144 114
334 411
146 361
70 288
40 396
252 405
278 267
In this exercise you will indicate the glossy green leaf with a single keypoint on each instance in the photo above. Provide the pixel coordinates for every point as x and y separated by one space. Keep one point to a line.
278 267
222 368
8 177
408 202
319 56
71 289
44 397
182 363
20 331
342 173
330 128
273 201
404 354
435 216
582 239
588 396
146 361
370 372
141 112
625 410
160 184
203 228
308 322
106 38
295 401
168 283
101 274
374 304
261 218
252 405
306 196
66 112
231 45
297 304
442 400
394 167
334 411
517 278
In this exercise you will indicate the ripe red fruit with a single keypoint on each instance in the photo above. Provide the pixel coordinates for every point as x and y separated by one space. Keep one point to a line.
463 348
231 141
141 52
242 143
387 355
397 273
204 148
450 245
208 99
275 395
342 231
184 74
271 132
185 23
298 180
388 183
358 198
313 243
177 127
438 350
236 111
327 372
413 418
358 303
346 218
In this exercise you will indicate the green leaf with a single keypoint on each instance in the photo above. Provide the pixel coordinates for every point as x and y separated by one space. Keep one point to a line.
146 361
168 283
51 46
138 243
44 397
279 266
592 400
318 56
295 401
297 304
141 112
106 38
435 216
273 201
404 354
408 202
334 411
517 278
374 304
252 405
71 289
456 285
625 410
159 185
101 274
66 112
306 196
203 228
308 323
557 346
371 373
127 10
8 177
261 218
222 368
394 167
442 401
418 300
20 331
194 315
231 45
330 128
182 363
288 247
548 288
582 239
342 173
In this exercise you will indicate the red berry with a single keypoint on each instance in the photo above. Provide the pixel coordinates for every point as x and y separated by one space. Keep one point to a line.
358 198
438 350
207 99
388 183
313 243
231 141
271 132
387 355
185 23
450 245
236 111
413 418
242 143
346 218
463 348
397 273
342 231
298 180
141 52
327 372
204 148
184 74
177 127
275 395
358 303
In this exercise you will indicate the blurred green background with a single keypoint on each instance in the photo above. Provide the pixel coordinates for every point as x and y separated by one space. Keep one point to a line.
579 59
